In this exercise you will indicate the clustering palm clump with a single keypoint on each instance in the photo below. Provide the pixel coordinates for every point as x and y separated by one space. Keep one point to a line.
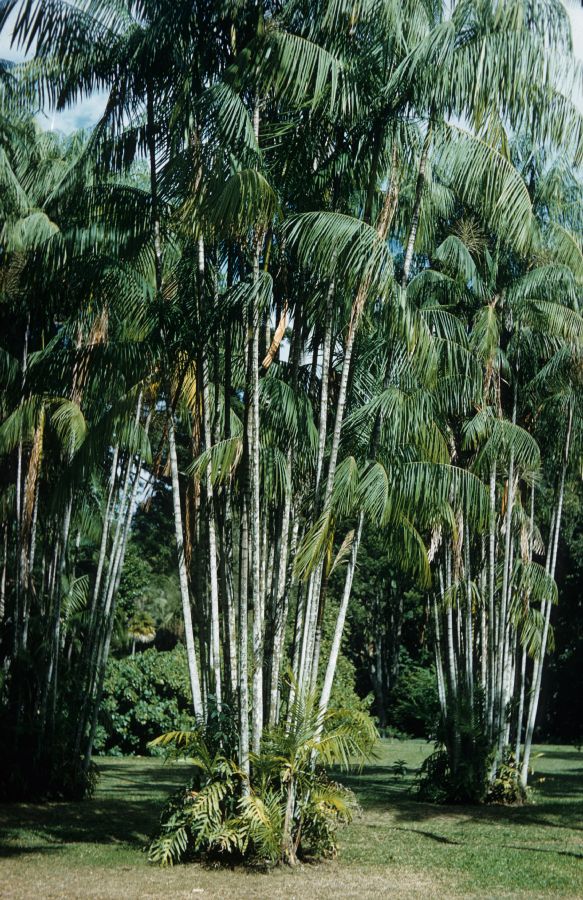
286 810
316 269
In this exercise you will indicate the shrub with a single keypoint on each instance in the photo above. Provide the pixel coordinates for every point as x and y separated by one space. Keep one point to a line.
506 787
459 770
415 707
344 692
288 808
143 696
465 767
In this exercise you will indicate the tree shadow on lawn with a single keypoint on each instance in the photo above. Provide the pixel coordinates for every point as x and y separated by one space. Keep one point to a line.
557 801
562 815
127 814
568 753
151 779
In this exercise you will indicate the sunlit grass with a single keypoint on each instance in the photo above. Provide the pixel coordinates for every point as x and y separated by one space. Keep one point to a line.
397 847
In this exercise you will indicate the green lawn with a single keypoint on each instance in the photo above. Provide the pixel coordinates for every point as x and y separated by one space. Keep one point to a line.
397 847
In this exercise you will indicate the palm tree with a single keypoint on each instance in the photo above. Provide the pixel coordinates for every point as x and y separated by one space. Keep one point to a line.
278 255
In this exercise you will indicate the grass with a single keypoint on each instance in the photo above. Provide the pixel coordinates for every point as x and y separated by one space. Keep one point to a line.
397 846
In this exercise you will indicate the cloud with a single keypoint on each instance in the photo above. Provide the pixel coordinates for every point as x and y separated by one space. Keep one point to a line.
84 114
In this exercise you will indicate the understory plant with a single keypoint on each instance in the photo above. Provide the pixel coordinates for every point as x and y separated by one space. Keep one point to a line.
467 765
143 695
287 809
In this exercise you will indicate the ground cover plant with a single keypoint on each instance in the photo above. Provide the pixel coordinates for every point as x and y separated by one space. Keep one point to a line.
94 849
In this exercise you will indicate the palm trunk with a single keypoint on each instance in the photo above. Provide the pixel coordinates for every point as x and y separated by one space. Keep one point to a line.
538 666
522 688
504 625
243 670
419 187
213 570
281 604
210 514
288 852
230 618
28 524
227 531
520 715
309 631
298 631
315 583
100 590
109 615
442 694
182 573
98 638
340 620
19 506
255 509
491 609
314 596
469 630
105 532
58 599
326 352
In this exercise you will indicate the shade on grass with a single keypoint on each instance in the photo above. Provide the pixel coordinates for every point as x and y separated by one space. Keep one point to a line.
398 846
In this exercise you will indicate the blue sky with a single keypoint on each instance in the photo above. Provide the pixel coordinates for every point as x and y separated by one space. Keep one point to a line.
86 114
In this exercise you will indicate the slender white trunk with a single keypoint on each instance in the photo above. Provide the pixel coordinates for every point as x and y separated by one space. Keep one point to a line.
281 603
309 632
310 642
101 607
503 632
451 652
538 666
102 599
520 716
503 624
243 669
340 619
325 380
107 523
298 631
182 573
109 615
491 607
469 630
522 687
213 568
255 512
438 662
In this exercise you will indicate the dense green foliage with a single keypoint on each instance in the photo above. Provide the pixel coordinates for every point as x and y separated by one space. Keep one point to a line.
287 810
291 340
415 706
143 695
